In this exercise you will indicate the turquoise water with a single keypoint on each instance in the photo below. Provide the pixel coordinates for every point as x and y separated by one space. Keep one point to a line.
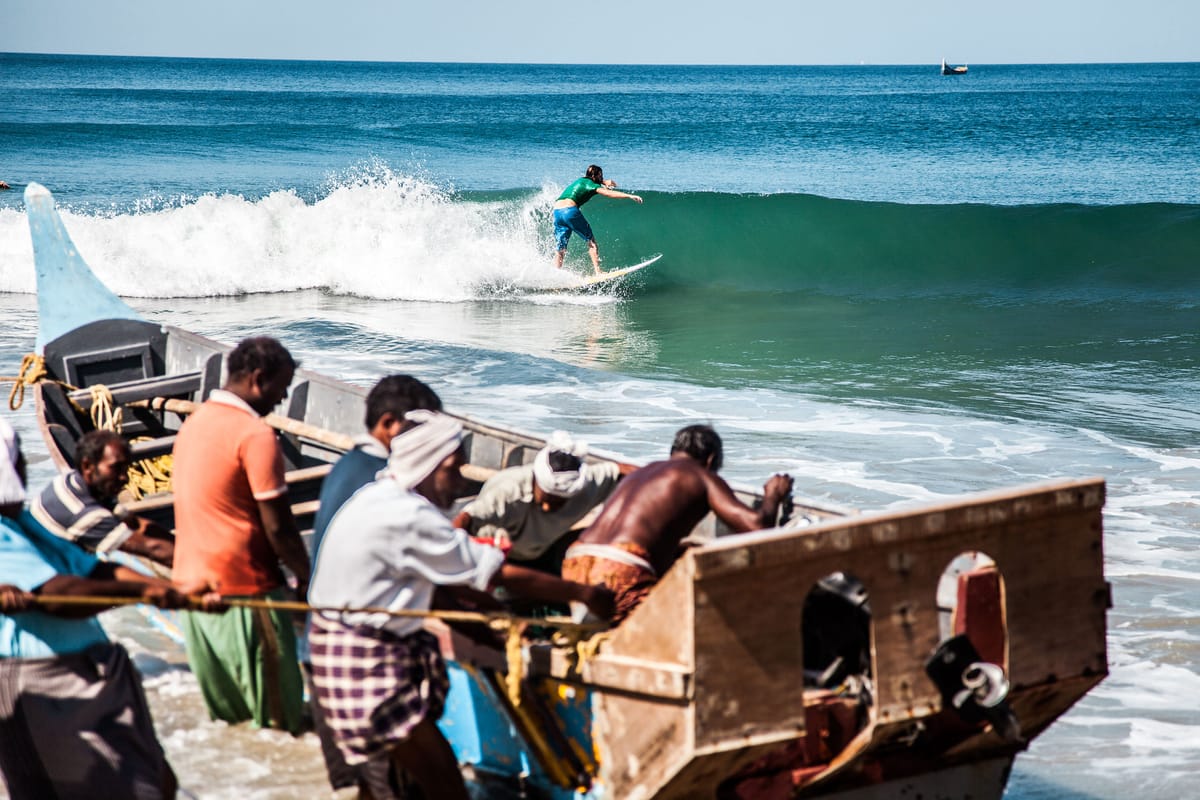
893 285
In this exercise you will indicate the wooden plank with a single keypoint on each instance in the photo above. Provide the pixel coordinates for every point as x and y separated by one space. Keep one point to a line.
638 676
130 391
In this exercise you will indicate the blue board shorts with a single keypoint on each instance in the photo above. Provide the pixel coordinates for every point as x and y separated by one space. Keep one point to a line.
567 221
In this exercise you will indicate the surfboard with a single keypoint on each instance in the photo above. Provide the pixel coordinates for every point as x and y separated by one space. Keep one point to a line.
592 281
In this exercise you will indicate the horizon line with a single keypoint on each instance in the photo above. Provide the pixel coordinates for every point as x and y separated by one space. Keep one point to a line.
594 64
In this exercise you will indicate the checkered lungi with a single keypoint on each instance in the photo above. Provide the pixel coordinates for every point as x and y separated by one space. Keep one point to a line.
373 686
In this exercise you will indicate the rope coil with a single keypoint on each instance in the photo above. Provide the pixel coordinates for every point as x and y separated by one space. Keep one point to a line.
33 370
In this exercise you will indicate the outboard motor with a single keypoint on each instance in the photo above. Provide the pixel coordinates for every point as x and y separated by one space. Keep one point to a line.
837 630
977 689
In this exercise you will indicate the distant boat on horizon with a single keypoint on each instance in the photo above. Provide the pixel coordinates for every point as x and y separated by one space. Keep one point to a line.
947 69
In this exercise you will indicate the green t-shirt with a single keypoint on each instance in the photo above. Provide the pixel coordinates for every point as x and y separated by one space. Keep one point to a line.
580 191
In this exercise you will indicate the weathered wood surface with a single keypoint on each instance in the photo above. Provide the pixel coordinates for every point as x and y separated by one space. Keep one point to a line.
728 615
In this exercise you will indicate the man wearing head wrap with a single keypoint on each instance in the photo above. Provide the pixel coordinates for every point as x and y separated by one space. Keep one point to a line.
380 680
387 404
73 716
533 507
639 533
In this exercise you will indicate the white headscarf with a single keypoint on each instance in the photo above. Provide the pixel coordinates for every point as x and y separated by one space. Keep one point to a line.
11 489
560 484
417 452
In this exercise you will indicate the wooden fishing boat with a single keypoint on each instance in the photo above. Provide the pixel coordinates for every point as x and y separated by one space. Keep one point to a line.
950 69
841 655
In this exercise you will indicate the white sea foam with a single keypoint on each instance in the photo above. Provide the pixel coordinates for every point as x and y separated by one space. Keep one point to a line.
374 234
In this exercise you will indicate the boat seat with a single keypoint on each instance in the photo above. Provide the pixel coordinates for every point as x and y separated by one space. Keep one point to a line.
151 448
183 384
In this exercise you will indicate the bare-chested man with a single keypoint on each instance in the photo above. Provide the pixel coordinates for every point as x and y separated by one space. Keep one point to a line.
637 536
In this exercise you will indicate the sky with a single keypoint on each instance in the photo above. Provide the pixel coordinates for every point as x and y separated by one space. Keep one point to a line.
614 31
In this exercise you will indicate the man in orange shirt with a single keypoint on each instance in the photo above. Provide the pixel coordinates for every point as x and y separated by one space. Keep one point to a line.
233 528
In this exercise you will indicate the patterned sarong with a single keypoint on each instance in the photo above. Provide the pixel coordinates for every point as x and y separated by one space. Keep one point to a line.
374 687
77 726
629 580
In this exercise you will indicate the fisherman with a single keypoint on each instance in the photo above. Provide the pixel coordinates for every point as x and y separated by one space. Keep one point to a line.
380 678
529 510
73 716
387 404
639 533
233 527
81 505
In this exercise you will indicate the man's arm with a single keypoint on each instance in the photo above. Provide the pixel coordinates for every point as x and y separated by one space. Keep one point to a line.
613 193
150 540
107 580
737 515
280 528
538 585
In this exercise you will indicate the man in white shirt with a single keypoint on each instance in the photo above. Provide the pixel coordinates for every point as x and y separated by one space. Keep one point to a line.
380 679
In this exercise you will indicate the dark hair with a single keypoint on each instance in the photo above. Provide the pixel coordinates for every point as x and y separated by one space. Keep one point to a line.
700 442
259 352
399 394
595 173
91 446
563 462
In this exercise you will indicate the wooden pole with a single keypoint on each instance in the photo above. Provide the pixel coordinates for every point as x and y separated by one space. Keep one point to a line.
448 615
338 441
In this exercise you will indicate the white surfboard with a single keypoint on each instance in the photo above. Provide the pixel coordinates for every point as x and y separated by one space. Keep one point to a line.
592 281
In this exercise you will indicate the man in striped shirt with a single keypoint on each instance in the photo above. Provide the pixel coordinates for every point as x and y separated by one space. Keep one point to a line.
81 506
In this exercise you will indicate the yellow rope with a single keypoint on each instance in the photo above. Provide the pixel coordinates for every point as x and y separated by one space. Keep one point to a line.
33 369
516 663
150 475
106 416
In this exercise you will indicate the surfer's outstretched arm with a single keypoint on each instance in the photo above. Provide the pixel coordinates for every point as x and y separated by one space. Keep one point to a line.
606 192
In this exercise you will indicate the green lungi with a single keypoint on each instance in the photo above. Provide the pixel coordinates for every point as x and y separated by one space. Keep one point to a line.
245 662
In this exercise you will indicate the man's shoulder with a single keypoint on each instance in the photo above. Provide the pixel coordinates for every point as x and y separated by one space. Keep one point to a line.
351 472
507 487
510 481
70 483
64 500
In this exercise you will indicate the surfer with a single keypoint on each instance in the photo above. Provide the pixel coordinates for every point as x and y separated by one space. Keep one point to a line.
569 219
640 531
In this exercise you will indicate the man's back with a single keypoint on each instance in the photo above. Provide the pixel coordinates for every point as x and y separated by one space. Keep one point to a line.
226 460
354 470
655 507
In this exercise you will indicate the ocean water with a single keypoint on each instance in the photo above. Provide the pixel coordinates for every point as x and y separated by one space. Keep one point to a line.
895 286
